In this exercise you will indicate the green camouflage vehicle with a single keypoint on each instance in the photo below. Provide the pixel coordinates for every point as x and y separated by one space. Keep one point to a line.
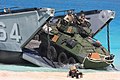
70 43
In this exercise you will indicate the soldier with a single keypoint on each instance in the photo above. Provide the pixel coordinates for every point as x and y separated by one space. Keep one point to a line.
5 10
83 26
83 21
75 73
69 18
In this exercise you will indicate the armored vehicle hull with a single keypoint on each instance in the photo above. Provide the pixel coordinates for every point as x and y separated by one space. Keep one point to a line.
72 43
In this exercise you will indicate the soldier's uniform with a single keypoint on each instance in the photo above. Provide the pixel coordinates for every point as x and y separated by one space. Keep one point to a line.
84 26
69 18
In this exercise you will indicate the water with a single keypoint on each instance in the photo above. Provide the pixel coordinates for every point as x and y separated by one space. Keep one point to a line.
81 5
17 68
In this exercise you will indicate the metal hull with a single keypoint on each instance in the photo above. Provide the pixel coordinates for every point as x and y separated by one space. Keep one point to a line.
92 64
7 57
79 57
18 27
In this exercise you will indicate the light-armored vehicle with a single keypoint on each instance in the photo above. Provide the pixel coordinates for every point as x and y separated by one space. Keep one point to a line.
71 42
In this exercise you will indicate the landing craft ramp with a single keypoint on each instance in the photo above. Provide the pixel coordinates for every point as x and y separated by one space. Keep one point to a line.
18 27
35 59
98 19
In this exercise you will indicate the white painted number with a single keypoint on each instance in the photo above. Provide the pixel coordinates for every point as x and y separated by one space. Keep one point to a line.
15 33
3 35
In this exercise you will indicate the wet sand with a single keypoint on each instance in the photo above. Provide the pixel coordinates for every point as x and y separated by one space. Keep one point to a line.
9 75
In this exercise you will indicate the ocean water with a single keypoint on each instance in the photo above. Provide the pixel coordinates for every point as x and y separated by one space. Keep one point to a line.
18 68
81 5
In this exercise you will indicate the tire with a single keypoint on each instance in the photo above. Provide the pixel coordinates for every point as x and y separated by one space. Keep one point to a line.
52 55
71 60
62 58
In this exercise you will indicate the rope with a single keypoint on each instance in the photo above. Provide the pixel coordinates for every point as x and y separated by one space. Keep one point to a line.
114 67
82 65
108 37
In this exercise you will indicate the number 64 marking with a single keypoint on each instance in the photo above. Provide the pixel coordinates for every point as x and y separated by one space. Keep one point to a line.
14 34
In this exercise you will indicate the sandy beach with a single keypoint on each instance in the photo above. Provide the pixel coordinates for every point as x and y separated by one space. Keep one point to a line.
9 75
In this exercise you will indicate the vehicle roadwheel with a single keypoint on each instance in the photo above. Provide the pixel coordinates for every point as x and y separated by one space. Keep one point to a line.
62 58
52 54
71 60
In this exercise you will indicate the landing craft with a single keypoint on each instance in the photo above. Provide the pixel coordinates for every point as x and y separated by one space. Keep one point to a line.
37 36
17 28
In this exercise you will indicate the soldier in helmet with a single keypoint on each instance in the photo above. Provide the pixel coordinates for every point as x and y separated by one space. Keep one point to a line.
75 73
69 18
83 21
83 25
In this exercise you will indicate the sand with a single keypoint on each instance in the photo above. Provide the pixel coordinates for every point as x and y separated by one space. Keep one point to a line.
9 75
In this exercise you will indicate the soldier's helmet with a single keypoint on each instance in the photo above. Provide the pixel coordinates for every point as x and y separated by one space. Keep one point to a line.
82 15
70 12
